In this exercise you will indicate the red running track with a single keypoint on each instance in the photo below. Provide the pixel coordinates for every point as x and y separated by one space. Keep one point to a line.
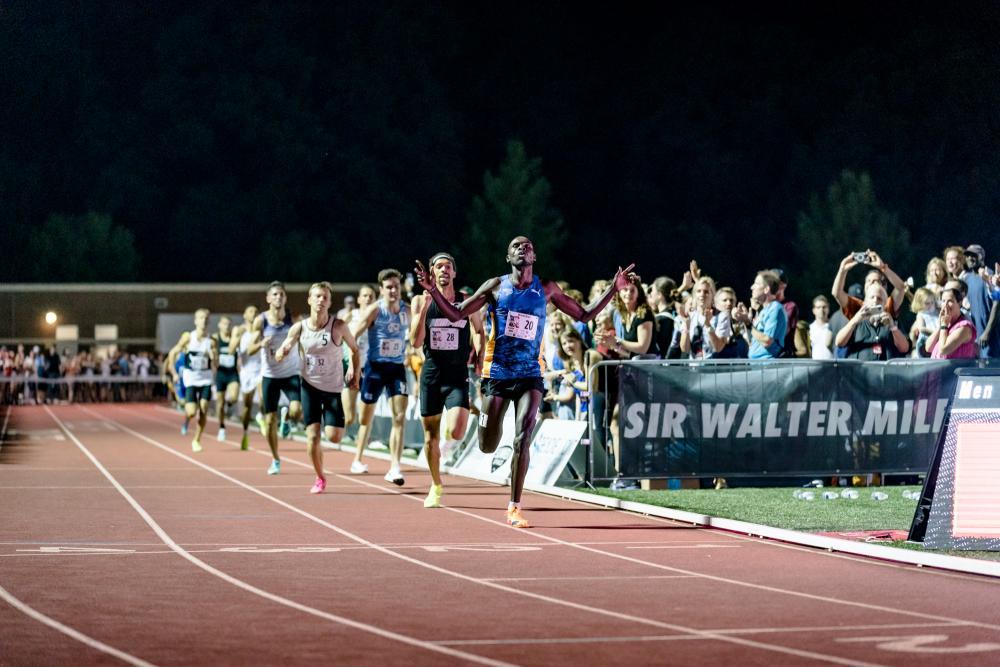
117 544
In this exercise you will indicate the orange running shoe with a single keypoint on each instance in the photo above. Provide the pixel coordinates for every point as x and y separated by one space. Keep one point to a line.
515 519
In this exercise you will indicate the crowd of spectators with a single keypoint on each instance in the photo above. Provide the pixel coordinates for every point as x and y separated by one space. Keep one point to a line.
39 375
952 316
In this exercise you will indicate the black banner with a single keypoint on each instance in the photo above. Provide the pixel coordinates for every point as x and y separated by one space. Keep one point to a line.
783 417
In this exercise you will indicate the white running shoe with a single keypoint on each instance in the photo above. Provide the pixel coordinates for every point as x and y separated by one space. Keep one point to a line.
222 435
359 468
395 476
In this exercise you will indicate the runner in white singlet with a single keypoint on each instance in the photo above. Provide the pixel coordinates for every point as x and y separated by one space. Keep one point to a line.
319 339
200 356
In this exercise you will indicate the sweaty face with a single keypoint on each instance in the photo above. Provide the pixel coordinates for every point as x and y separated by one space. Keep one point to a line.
225 325
444 271
521 252
250 314
200 319
390 289
319 299
276 297
366 296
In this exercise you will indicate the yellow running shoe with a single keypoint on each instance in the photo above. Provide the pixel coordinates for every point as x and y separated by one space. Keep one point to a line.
515 519
195 446
245 443
433 498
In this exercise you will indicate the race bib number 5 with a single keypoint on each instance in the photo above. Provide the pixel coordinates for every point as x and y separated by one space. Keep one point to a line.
521 325
444 338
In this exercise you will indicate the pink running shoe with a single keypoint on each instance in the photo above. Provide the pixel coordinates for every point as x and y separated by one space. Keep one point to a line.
319 486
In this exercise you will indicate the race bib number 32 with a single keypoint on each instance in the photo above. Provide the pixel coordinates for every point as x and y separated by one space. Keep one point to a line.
317 365
521 325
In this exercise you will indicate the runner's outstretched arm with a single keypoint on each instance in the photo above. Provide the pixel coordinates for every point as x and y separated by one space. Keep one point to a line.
464 309
554 293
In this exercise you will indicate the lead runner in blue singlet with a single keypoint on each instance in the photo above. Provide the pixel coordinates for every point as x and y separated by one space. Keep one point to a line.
513 364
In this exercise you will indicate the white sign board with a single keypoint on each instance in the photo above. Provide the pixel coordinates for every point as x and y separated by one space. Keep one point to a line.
551 450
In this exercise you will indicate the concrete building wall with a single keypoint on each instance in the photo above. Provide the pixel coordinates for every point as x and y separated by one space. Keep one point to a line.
133 307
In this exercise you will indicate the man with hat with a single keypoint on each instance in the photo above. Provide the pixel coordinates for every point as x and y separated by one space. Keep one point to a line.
982 309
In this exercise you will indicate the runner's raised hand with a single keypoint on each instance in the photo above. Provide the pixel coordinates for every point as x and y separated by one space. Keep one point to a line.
625 277
422 276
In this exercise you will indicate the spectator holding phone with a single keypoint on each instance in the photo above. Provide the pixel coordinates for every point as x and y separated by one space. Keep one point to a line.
878 274
872 333
955 335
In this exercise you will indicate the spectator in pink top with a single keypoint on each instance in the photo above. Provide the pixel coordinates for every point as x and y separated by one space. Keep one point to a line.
955 337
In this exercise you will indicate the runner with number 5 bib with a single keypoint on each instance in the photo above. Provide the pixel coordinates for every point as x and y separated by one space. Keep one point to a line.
319 339
512 366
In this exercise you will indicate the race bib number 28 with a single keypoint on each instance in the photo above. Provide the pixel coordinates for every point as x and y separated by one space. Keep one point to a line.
521 325
444 338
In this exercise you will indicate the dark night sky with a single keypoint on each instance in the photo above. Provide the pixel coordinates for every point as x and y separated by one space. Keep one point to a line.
361 132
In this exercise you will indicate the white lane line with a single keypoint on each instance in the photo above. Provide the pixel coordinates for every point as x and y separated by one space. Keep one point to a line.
741 538
823 657
690 546
667 638
70 632
176 548
710 577
610 577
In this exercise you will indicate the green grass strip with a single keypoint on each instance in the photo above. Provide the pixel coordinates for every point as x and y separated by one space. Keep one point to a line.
777 507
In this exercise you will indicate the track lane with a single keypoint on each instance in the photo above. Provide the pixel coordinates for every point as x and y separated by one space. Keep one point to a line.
577 523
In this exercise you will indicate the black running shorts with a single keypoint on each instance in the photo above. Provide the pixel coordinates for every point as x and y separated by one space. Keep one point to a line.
383 376
441 390
511 389
272 388
320 406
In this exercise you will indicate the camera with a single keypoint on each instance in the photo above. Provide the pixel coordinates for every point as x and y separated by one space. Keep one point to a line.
860 257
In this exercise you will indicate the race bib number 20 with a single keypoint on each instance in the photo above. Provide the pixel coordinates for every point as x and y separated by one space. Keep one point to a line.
521 325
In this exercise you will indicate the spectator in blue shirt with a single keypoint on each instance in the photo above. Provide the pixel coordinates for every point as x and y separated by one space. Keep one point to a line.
768 328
